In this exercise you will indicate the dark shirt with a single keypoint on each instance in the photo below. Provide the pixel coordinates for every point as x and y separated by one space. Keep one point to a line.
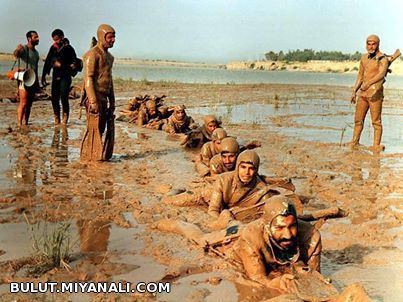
65 55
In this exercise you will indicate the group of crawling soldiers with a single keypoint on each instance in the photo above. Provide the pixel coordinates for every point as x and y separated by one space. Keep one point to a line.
256 220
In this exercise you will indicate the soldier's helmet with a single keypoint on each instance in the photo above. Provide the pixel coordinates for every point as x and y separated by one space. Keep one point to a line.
277 205
250 157
218 134
104 29
229 144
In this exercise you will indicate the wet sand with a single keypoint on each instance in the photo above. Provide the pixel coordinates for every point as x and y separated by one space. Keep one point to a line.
111 206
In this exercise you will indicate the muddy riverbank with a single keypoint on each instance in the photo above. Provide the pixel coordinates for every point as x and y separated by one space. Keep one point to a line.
111 206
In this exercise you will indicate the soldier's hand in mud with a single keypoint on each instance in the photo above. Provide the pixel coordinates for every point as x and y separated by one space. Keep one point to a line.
285 282
353 98
93 108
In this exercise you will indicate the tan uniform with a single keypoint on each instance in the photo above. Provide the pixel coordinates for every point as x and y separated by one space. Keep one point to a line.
255 251
217 166
372 72
176 126
98 84
229 191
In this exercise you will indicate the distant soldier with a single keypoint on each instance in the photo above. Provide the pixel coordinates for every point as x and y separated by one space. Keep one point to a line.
150 116
30 58
370 79
209 150
179 122
99 97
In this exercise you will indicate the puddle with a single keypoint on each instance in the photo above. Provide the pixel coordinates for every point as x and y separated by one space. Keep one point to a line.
318 120
198 288
89 236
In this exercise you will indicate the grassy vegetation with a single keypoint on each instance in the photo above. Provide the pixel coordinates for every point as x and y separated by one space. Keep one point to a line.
51 244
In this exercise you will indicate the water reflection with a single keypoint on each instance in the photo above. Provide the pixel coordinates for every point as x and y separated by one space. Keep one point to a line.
59 152
25 173
94 238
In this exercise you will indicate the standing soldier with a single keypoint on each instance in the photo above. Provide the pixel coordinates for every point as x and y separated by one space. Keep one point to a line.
370 79
98 90
30 58
61 58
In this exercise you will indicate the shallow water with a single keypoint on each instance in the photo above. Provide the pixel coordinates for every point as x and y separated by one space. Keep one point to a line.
322 121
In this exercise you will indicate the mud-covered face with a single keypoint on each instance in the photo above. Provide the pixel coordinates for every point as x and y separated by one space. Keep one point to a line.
211 127
110 40
180 114
372 46
151 111
229 160
246 172
217 145
284 231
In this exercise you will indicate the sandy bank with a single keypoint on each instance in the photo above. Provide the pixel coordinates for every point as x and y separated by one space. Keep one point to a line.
312 66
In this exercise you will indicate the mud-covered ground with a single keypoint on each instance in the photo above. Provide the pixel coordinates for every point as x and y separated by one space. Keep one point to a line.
111 206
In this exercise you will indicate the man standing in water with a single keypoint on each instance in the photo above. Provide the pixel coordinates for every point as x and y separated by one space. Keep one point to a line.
30 58
370 79
98 90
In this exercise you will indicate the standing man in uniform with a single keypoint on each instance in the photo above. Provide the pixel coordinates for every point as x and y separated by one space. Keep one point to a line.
99 96
30 58
61 57
370 79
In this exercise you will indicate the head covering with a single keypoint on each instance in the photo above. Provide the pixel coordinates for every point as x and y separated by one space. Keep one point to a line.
250 157
174 116
151 104
229 145
278 205
103 29
373 38
210 118
218 134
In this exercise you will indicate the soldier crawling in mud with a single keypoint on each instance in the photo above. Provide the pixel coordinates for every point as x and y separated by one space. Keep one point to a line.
241 188
179 122
198 137
150 116
210 149
98 90
225 161
371 76
278 251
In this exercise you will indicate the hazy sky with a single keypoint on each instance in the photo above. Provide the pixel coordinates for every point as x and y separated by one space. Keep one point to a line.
206 30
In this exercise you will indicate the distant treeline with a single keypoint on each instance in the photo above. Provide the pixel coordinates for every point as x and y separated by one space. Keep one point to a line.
309 54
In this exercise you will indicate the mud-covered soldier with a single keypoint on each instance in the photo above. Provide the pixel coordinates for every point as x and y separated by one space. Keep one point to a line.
29 58
270 246
371 76
150 116
198 137
98 83
225 161
61 58
231 188
179 121
209 150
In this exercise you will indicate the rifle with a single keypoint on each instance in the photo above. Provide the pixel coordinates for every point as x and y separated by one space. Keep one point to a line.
393 57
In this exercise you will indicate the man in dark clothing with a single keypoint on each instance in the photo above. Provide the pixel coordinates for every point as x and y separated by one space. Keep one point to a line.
61 57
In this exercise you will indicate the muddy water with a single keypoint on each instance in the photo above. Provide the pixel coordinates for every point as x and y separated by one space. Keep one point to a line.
113 205
327 121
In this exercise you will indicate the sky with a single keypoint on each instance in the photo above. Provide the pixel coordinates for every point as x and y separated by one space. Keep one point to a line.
212 31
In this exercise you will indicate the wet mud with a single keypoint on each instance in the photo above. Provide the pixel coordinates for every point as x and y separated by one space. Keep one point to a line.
112 206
